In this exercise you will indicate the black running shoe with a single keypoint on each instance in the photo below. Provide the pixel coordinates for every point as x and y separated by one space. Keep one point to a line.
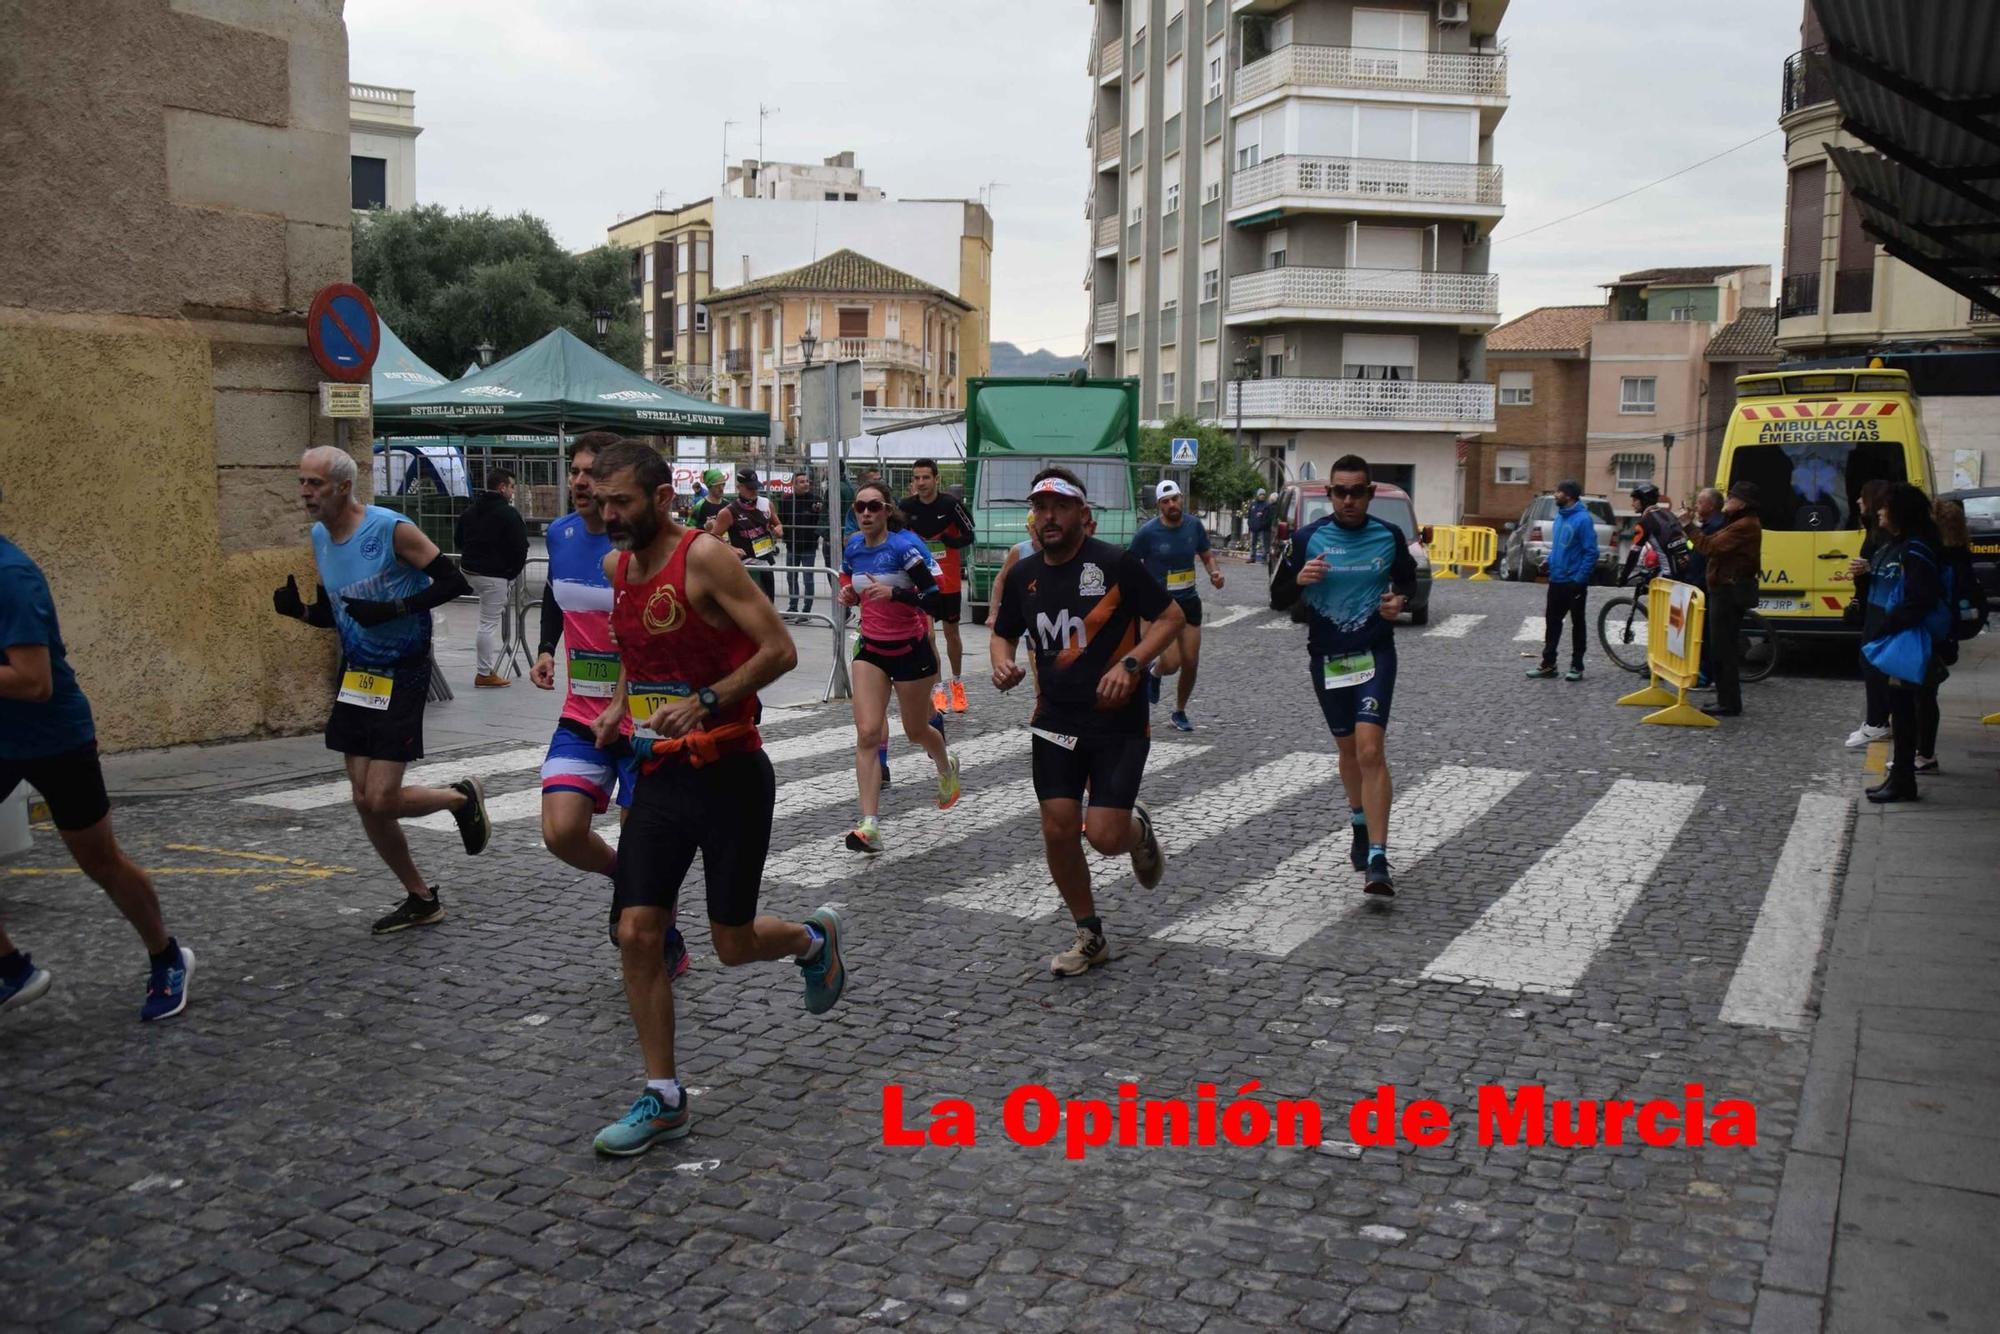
413 912
1358 854
1377 878
471 817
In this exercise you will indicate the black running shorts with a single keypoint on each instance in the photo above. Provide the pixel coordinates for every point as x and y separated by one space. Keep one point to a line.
722 811
949 606
903 660
72 783
395 733
1110 766
1191 608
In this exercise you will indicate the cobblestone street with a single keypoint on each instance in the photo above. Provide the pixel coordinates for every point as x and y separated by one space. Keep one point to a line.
395 1132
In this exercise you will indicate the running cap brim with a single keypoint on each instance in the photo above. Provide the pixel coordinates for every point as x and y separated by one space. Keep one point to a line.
1056 486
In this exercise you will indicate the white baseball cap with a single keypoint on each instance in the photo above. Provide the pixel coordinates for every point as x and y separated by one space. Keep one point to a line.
1167 487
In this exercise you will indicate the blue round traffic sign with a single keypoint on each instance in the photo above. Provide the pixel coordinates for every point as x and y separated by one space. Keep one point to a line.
343 333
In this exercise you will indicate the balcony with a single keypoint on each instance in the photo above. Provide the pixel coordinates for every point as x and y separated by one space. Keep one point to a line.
1106 328
1107 233
1388 405
1344 70
1366 185
1110 62
870 352
1403 296
1108 144
1798 295
1806 81
736 360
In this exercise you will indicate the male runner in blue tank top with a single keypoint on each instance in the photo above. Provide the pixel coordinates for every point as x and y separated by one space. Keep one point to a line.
1356 574
385 576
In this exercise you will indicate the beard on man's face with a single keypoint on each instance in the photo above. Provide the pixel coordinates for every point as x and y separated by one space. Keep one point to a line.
631 536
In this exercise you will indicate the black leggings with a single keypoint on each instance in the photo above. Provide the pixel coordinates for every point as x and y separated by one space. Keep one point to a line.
1927 718
1901 702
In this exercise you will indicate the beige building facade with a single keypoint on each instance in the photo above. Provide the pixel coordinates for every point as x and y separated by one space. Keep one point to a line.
155 390
382 148
906 333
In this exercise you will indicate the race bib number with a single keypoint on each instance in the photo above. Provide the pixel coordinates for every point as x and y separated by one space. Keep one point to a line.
368 690
938 548
1180 581
1342 673
1055 738
762 546
647 700
593 674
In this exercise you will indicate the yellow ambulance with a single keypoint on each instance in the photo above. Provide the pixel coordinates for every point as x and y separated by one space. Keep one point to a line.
1810 439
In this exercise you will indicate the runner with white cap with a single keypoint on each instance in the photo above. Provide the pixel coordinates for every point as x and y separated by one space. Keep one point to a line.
1170 545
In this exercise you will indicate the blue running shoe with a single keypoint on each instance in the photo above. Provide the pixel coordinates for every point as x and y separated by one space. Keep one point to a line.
1378 879
167 989
826 978
28 989
650 1119
1180 721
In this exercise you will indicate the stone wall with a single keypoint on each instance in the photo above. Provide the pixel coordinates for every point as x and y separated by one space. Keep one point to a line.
173 176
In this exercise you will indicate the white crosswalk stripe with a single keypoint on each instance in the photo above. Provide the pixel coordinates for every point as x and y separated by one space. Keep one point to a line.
823 742
1774 978
1456 626
799 795
1532 630
1542 934
426 775
819 862
1295 902
1024 889
1229 617
1281 621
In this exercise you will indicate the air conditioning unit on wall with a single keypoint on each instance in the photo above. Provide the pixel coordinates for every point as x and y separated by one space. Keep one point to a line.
1451 13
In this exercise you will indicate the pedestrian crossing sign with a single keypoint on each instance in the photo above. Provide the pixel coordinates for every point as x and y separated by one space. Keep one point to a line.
1185 450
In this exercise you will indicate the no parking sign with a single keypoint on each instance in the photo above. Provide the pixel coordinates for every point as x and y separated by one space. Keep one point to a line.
343 332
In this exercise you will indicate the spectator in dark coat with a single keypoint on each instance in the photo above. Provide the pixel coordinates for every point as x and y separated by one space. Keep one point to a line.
492 550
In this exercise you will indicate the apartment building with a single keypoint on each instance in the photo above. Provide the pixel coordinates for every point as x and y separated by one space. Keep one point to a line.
1844 298
382 135
772 217
1540 367
904 331
1300 196
1649 374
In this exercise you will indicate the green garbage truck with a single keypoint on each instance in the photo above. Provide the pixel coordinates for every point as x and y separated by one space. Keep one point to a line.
1015 427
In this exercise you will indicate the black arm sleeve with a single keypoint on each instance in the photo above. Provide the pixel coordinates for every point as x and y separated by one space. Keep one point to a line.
964 518
447 582
1403 571
925 594
320 613
552 621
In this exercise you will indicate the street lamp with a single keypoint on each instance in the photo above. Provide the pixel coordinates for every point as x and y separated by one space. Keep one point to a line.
1242 368
484 347
807 343
602 318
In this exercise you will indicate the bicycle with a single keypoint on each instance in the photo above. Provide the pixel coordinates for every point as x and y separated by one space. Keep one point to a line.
1622 628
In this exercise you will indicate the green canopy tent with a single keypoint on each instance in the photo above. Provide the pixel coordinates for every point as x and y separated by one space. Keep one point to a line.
558 384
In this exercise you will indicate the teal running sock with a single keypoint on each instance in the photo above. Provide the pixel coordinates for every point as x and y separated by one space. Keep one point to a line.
1357 817
1377 850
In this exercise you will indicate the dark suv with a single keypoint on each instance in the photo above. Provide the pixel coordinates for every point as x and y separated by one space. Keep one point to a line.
1302 502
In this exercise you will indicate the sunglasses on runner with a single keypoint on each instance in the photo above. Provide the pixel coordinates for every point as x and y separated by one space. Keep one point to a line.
868 506
1353 492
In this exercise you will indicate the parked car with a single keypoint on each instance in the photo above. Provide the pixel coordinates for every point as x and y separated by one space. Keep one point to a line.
1302 502
1982 523
1524 545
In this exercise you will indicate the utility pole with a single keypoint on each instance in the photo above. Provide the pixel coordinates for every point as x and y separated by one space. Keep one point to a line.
764 113
1667 469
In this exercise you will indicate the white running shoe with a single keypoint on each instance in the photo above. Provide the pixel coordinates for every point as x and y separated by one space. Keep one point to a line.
1864 734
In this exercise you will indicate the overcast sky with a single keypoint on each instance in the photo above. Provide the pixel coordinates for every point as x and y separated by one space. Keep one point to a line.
583 111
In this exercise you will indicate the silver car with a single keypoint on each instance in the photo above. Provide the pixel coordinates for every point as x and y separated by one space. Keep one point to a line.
1524 545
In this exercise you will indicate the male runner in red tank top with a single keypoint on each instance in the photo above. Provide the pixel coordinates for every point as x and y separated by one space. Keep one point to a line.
696 640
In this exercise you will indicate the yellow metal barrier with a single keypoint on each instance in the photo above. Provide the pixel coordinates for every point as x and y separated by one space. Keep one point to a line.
1477 548
1444 551
1676 619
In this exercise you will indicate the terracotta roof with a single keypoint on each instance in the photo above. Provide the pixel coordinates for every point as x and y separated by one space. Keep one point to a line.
1751 336
1699 273
842 271
1546 329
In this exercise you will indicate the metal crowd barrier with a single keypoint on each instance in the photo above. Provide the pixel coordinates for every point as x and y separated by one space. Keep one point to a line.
1676 619
1453 545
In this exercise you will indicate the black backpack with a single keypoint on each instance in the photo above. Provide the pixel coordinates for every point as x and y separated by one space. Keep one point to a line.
1969 610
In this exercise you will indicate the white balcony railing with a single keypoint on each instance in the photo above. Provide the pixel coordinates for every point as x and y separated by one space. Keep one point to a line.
868 351
1337 291
1110 142
1366 178
1107 231
375 92
1366 401
1456 74
1107 321
1110 59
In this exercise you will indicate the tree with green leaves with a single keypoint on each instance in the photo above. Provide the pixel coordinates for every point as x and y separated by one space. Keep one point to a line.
1222 478
446 281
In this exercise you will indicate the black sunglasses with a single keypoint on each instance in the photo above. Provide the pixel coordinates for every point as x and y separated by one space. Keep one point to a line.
868 506
1361 492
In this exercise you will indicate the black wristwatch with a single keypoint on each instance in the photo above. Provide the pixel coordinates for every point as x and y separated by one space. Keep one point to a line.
709 701
1130 664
